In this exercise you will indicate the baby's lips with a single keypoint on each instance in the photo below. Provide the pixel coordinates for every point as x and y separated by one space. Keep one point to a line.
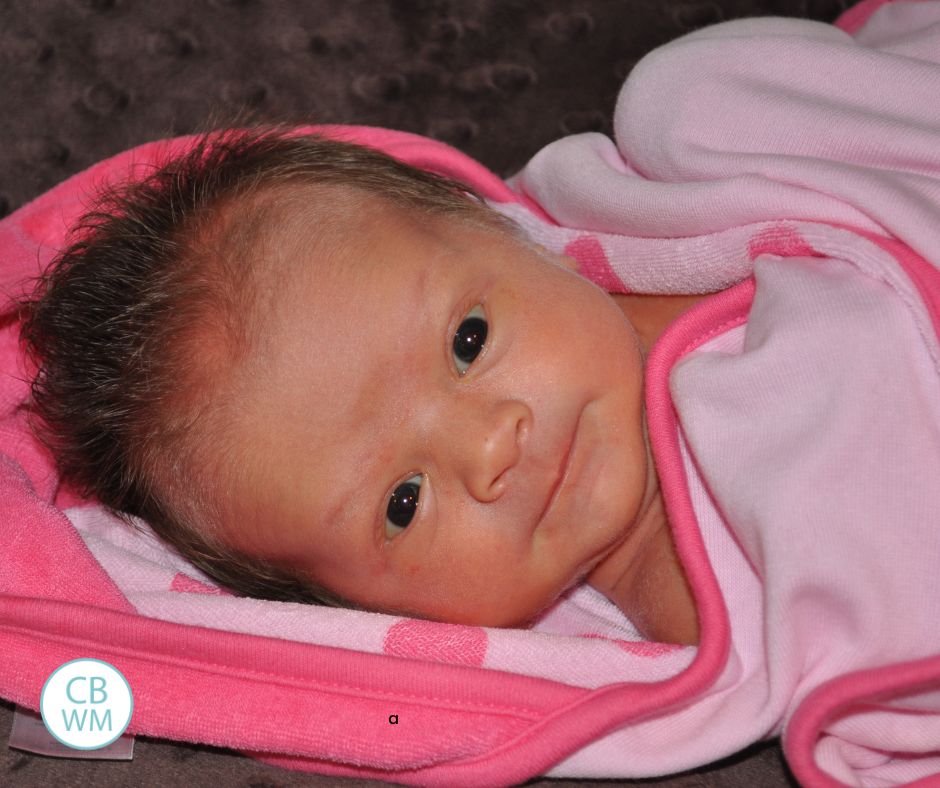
563 472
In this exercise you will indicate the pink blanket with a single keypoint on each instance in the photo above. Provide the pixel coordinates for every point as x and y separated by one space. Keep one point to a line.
797 164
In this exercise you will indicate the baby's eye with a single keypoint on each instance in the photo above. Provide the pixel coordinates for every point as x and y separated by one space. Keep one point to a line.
469 339
402 506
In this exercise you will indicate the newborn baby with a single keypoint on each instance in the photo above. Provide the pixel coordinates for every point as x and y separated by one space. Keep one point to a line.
325 376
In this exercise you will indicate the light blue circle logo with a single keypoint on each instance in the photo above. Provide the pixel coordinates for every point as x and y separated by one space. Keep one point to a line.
86 704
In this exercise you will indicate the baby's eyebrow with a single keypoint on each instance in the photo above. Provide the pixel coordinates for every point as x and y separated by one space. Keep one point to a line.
424 275
351 500
336 513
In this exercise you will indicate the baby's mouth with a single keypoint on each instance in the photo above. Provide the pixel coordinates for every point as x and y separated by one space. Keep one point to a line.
564 470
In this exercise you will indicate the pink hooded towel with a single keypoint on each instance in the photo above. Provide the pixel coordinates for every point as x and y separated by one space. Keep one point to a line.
792 169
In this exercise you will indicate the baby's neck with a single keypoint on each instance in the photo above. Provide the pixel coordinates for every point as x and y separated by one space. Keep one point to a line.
651 314
644 578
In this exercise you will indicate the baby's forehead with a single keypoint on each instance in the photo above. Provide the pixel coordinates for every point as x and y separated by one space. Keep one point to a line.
359 234
372 248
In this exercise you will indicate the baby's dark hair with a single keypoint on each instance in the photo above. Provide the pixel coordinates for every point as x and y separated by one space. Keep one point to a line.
119 323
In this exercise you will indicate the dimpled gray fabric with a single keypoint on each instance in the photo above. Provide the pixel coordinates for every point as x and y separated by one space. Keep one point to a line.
84 79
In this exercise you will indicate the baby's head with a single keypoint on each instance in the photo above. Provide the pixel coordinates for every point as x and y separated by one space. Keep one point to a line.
325 376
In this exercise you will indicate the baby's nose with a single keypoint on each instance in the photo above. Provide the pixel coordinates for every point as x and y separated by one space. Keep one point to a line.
491 445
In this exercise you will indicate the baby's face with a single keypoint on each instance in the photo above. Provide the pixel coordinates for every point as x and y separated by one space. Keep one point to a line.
470 484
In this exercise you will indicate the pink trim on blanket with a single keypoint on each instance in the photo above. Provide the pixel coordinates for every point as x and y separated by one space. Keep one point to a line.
922 274
843 696
718 313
